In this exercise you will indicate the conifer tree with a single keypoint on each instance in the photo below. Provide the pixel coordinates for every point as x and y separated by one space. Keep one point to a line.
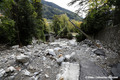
22 12
39 21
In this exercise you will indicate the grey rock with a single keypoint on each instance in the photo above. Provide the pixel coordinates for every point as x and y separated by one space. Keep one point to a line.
73 42
116 70
46 75
60 60
50 51
22 58
26 72
68 71
88 42
10 69
67 57
15 46
57 49
88 68
99 52
2 72
21 50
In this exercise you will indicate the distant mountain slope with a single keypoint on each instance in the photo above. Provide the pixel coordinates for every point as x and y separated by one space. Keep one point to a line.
50 9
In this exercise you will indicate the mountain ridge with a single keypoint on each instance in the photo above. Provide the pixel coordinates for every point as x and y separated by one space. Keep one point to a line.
54 5
50 9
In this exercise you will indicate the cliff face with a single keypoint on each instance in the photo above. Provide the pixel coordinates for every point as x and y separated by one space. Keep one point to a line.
110 37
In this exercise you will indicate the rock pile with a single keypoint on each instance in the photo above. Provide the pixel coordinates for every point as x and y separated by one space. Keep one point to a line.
55 60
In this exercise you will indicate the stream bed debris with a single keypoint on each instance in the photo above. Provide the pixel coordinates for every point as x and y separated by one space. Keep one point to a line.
62 59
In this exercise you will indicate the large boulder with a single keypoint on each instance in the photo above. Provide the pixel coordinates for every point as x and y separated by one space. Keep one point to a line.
68 71
60 60
2 72
116 70
22 58
99 52
73 42
50 52
67 57
15 46
89 69
10 69
26 72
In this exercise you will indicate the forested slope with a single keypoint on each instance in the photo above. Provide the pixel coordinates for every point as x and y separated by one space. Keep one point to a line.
50 9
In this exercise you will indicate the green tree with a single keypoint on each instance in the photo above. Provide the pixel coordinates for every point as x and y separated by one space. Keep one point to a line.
7 31
98 14
6 6
7 25
87 5
46 26
39 21
28 19
64 25
72 28
116 4
97 17
56 24
60 24
22 13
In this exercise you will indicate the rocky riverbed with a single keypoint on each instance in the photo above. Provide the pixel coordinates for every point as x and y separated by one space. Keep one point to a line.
59 60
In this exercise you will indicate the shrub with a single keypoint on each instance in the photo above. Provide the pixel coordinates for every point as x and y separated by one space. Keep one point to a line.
60 25
80 37
95 20
69 36
7 31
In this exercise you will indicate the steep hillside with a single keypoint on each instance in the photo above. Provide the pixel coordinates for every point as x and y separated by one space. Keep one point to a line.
50 9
